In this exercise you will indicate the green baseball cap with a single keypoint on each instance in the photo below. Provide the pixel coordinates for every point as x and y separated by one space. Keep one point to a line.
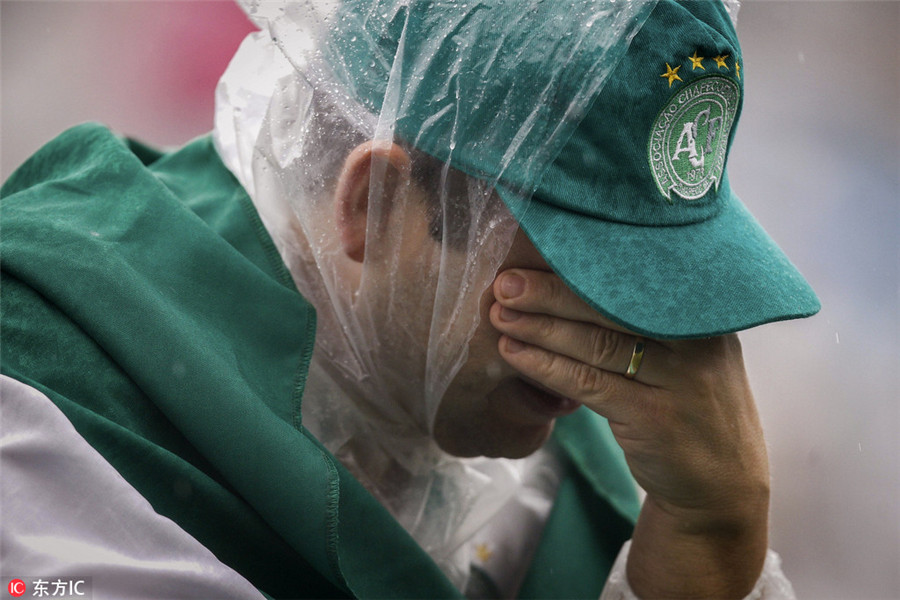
605 128
636 213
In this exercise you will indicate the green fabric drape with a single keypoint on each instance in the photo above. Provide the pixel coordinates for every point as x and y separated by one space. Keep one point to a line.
143 296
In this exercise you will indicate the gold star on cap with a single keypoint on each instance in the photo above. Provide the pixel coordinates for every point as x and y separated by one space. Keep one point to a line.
720 61
671 74
696 61
737 69
483 553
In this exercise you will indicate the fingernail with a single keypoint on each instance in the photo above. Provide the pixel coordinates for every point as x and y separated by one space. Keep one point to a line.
514 345
512 285
509 315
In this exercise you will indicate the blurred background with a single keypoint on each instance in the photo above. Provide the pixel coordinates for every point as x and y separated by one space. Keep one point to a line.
817 159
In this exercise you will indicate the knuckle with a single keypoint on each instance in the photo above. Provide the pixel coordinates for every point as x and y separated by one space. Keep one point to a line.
545 327
585 377
588 380
606 345
547 366
552 369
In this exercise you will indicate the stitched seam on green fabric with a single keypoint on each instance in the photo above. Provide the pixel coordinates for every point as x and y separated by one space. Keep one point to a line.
332 537
303 372
285 278
271 252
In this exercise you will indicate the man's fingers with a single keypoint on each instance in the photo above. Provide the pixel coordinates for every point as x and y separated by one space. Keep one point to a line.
544 292
607 393
591 344
537 308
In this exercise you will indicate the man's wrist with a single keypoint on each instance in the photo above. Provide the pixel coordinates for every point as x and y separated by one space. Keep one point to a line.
680 553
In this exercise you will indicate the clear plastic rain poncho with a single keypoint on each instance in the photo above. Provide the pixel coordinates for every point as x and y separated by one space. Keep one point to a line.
481 94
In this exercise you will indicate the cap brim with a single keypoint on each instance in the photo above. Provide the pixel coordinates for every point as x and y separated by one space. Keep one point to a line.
718 276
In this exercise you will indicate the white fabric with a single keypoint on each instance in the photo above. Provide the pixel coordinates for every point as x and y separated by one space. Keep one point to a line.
503 548
772 584
67 513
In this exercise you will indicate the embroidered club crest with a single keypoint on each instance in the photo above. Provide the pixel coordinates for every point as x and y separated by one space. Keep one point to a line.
689 138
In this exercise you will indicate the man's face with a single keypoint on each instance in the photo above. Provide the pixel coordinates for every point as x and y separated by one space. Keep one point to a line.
419 295
489 409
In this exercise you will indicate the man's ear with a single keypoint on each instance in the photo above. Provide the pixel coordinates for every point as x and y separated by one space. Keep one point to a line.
371 170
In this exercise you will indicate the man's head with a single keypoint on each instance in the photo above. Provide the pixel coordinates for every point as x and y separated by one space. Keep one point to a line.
488 408
602 129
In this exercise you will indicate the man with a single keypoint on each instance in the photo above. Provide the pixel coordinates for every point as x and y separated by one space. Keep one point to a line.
514 225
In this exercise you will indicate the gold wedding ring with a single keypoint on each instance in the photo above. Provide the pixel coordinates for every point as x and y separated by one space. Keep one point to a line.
637 355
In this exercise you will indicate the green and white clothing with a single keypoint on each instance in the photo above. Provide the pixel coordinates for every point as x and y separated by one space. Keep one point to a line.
155 352
142 296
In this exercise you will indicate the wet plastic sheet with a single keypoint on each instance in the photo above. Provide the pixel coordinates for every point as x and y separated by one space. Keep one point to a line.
480 94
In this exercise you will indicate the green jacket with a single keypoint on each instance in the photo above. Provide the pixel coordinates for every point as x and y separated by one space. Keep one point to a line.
142 294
